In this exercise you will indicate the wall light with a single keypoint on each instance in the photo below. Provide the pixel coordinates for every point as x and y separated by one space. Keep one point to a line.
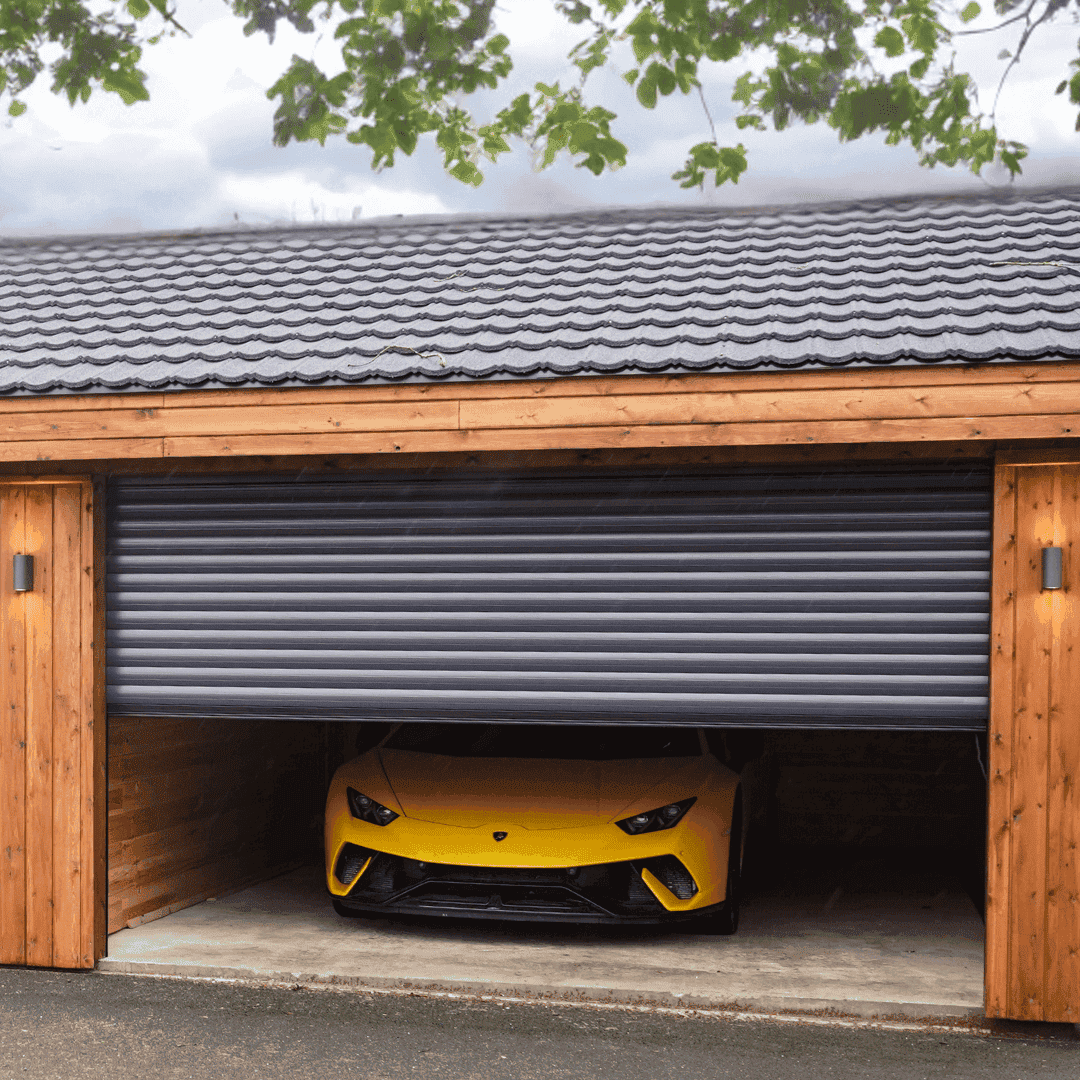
24 573
1051 568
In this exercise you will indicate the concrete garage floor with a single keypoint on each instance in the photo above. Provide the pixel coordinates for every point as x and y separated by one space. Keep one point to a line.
912 948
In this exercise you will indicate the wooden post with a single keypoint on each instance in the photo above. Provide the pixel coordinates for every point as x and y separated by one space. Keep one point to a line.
1033 876
49 747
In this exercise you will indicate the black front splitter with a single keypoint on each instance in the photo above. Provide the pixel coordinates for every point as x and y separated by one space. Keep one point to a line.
519 914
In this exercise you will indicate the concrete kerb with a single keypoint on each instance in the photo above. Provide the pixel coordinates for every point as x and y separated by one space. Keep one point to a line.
742 1007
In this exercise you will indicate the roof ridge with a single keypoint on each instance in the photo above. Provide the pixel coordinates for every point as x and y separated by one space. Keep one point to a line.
617 215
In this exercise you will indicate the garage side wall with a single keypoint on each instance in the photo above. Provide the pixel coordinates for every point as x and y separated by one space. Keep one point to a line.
1033 876
201 807
51 776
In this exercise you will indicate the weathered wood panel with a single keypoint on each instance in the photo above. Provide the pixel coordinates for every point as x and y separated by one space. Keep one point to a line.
1021 401
12 735
201 807
47 731
1033 913
1061 986
1000 741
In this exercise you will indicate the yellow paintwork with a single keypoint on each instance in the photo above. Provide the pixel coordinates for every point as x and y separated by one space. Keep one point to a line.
556 812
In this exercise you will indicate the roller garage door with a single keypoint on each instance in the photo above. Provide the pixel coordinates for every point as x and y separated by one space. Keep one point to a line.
841 598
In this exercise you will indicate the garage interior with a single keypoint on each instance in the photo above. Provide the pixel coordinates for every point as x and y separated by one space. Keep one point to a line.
865 861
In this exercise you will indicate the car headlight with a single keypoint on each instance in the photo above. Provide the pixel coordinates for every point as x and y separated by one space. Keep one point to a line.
367 809
663 817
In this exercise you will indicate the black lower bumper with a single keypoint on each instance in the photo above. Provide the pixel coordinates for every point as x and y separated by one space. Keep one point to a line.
612 893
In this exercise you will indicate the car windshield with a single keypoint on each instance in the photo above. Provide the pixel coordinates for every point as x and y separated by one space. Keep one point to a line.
593 743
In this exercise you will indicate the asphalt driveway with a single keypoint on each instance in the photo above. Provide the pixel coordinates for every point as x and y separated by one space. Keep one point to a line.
59 1026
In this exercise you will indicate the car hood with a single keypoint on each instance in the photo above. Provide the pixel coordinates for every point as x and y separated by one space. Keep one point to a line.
531 793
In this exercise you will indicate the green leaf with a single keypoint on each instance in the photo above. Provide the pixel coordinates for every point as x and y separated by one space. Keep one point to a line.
646 93
139 9
891 40
16 108
468 173
972 11
1061 86
919 68
128 84
632 75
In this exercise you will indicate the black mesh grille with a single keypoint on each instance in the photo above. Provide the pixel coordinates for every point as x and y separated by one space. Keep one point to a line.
350 862
610 889
673 875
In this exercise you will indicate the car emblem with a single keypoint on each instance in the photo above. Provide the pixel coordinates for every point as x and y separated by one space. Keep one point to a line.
497 836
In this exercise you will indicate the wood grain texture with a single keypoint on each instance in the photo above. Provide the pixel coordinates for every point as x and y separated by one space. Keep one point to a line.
1000 741
201 806
95 794
1036 510
39 730
69 807
1009 402
12 734
79 449
48 879
574 386
1061 990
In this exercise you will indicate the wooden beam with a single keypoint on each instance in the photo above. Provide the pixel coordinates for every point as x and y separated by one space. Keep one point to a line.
917 404
79 449
928 430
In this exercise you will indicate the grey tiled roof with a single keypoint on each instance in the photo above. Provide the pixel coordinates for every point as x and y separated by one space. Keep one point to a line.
920 280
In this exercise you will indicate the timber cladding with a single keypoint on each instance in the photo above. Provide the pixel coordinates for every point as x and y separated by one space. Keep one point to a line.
1033 869
51 759
201 807
910 404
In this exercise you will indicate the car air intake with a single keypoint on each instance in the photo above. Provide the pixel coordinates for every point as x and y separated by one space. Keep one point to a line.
673 875
350 862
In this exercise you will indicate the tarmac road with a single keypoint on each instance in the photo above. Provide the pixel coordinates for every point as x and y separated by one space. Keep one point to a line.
64 1026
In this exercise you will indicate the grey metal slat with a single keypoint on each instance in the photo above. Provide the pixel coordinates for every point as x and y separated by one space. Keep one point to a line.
832 589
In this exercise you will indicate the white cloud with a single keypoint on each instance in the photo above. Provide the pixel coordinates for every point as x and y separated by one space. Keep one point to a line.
201 150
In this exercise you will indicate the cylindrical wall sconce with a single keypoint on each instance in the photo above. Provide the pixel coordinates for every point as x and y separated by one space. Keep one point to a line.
24 573
1051 568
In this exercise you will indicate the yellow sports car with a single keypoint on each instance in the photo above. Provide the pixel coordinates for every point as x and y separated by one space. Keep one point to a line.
578 824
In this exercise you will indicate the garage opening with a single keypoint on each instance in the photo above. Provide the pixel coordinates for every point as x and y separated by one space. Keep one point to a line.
828 626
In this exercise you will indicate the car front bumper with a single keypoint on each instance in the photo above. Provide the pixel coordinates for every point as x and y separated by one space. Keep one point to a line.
605 893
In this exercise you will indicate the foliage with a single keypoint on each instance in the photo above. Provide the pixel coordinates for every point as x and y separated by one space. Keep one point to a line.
858 65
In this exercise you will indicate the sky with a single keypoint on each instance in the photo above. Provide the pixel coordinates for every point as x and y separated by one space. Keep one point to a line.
200 152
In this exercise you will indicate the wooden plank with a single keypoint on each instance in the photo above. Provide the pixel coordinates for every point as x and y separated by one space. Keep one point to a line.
314 419
930 429
573 386
1036 509
39 730
94 689
205 894
51 478
80 402
1025 455
125 424
12 735
755 406
1061 990
79 449
68 869
91 423
575 458
1000 741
